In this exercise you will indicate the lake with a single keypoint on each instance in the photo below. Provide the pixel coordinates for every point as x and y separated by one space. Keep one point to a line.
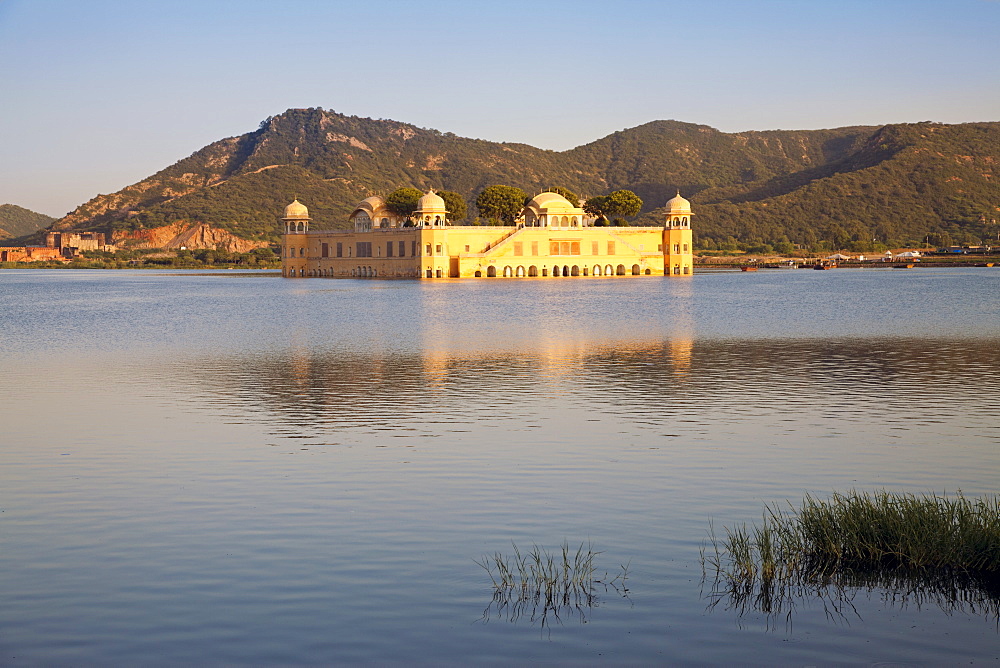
229 468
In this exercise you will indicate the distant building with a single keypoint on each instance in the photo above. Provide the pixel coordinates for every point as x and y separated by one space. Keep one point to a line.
70 244
29 254
552 238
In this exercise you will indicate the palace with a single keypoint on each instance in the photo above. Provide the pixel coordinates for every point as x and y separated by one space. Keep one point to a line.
552 237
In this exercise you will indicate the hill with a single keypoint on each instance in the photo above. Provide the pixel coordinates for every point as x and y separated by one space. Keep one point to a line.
16 221
844 187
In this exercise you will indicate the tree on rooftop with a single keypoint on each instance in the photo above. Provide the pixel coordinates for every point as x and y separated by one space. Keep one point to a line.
455 203
622 204
403 201
503 203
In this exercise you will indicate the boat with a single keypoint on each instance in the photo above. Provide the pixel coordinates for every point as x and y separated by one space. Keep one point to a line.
787 264
908 265
824 266
748 268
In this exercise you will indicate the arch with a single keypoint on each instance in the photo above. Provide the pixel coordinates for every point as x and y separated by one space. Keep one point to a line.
532 270
575 222
647 272
597 270
566 270
609 270
430 273
385 222
437 220
507 272
491 272
555 270
565 221
620 270
684 221
519 272
478 274
575 271
636 270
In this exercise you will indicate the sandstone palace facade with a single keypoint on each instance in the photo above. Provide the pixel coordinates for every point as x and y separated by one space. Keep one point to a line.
552 238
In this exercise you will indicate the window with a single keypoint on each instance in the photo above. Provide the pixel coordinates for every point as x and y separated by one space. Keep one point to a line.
388 249
574 248
553 248
677 248
518 248
534 248
364 249
438 249
659 247
413 248
402 248
594 246
429 253
340 249
611 248
685 248
564 248
326 251
467 249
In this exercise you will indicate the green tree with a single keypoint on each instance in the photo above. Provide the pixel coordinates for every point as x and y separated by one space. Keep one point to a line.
403 201
595 207
503 203
455 204
622 204
573 198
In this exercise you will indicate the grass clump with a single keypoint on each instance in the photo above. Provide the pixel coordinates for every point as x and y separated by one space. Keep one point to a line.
937 546
540 584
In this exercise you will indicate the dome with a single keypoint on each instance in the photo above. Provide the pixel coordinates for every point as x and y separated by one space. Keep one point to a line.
548 200
374 202
431 202
296 210
678 205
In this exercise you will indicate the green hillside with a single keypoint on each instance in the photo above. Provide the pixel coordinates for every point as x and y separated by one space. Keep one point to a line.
852 187
16 221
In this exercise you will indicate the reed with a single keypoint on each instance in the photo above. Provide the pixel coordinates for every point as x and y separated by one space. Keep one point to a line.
945 542
540 585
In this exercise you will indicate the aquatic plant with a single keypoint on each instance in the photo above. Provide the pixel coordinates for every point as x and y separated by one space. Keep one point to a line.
928 547
540 584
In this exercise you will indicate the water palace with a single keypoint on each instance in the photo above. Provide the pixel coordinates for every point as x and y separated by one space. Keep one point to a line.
552 237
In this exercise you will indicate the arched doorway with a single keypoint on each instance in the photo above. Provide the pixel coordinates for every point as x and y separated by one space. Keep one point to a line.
635 270
608 271
532 270
575 271
555 270
491 272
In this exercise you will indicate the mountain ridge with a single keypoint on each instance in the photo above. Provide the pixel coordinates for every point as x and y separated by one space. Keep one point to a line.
16 221
840 186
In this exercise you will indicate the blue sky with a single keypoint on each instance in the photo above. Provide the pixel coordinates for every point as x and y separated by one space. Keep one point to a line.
97 95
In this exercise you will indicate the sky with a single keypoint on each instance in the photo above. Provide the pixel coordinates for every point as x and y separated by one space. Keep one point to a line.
98 95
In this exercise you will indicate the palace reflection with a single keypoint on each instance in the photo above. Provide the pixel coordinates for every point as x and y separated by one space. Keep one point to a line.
911 381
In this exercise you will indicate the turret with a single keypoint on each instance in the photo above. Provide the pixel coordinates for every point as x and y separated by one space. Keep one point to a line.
678 258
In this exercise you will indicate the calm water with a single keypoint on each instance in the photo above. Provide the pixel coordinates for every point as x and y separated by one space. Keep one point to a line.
222 469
